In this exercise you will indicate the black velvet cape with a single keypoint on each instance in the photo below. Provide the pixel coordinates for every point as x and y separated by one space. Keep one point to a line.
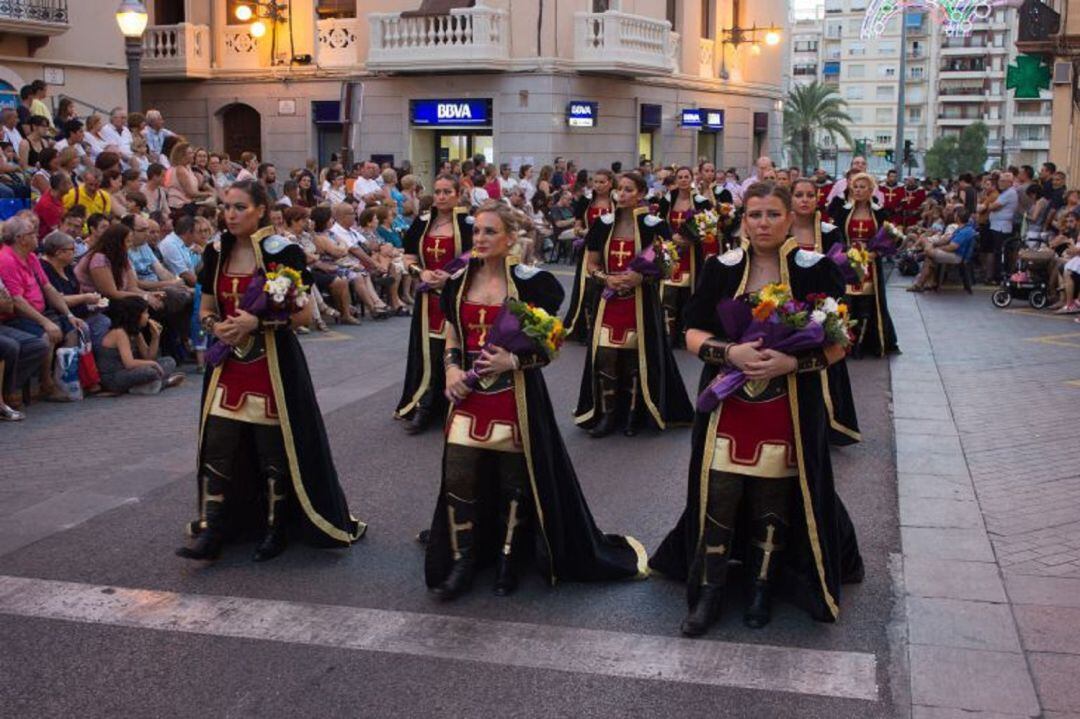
324 518
688 231
880 336
566 543
584 295
662 385
422 370
822 549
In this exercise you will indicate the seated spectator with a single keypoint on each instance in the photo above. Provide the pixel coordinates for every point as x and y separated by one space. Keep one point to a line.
106 269
181 185
342 246
1066 247
95 227
947 250
12 179
50 207
48 163
333 189
561 217
21 355
109 160
181 249
140 157
94 125
125 360
36 141
155 133
89 194
323 273
151 275
249 166
307 195
59 256
72 225
111 183
116 132
39 309
157 197
387 258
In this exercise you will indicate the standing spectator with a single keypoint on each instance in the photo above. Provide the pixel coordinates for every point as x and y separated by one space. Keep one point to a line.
39 308
267 176
558 174
492 185
966 193
37 104
65 113
21 354
59 256
1002 217
126 361
305 190
117 134
1046 175
26 98
506 180
50 208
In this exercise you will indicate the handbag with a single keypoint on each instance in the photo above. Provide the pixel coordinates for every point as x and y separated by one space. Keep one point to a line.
66 373
88 372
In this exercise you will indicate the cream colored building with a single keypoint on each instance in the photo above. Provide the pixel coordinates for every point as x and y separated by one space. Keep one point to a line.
75 46
528 73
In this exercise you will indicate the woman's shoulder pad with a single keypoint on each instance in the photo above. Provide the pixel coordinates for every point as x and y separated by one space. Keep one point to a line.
807 258
827 227
607 218
274 244
527 272
732 257
652 220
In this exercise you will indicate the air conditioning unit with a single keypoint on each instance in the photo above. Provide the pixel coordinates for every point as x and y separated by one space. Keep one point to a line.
1063 73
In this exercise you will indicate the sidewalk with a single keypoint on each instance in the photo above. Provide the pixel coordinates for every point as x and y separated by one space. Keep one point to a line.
988 468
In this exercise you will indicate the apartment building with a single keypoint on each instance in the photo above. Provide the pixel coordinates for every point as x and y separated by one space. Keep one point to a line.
70 44
516 80
807 48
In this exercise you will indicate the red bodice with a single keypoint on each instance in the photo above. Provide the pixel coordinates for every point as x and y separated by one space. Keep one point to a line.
680 274
894 196
859 232
618 323
437 251
620 251
248 378
593 214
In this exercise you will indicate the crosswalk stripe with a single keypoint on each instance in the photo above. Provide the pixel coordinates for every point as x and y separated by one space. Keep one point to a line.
849 675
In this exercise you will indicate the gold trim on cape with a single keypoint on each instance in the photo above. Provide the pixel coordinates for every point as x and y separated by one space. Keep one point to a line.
833 421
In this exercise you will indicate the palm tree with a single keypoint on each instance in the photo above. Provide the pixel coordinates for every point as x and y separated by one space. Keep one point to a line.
809 111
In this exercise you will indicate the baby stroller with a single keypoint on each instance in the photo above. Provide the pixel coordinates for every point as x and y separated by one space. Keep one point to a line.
1027 282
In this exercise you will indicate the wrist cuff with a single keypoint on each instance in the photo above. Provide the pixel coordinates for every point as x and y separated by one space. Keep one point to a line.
812 361
714 351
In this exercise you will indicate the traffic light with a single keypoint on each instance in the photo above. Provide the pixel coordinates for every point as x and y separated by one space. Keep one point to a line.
889 155
860 147
907 152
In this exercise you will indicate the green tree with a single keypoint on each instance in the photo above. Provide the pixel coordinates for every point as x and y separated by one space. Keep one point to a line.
951 155
808 111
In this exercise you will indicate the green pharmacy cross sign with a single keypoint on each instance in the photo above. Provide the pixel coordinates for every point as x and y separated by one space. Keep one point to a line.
1029 75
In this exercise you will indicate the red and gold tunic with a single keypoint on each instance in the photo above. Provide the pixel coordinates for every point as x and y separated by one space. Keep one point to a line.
618 321
755 435
895 202
437 251
912 206
243 391
487 417
593 214
680 274
859 232
823 200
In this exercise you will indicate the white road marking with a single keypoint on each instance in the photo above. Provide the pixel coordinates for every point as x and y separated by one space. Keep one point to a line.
849 675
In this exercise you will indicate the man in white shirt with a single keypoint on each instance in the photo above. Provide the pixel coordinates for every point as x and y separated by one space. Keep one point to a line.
762 166
839 188
177 250
366 189
10 122
507 182
117 133
155 133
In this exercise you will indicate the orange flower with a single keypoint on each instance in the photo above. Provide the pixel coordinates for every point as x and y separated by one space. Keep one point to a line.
763 310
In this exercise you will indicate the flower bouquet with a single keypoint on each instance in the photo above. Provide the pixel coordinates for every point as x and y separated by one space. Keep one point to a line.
853 263
782 323
886 242
458 263
707 223
521 328
657 261
272 296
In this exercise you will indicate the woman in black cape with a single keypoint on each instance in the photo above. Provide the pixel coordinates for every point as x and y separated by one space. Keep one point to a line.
677 209
263 460
433 240
760 483
508 493
629 368
584 295
858 218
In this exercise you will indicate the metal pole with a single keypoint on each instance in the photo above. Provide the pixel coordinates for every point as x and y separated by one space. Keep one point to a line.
898 153
133 50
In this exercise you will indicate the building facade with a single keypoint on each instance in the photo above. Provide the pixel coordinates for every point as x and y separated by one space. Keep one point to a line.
518 81
50 40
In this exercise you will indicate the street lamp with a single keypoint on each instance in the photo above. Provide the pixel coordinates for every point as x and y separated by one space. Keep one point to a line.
736 36
272 11
131 16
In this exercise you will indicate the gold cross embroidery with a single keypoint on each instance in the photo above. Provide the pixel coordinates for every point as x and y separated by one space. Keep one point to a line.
621 254
274 498
767 549
437 250
512 522
480 326
890 193
235 294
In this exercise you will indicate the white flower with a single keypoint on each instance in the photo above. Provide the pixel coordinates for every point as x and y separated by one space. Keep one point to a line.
830 305
279 298
818 317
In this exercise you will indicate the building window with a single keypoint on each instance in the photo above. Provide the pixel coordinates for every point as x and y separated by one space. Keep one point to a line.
914 114
854 27
854 92
886 71
706 19
834 6
805 68
856 49
834 30
671 6
336 9
885 140
601 5
883 115
856 71
858 5
887 49
884 92
806 46
855 113
917 73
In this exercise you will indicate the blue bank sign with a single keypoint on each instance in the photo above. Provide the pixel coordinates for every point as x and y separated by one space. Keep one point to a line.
451 113
690 117
713 119
581 114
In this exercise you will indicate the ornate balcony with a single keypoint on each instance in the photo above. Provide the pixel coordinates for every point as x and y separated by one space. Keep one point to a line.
336 43
617 42
176 51
34 17
476 38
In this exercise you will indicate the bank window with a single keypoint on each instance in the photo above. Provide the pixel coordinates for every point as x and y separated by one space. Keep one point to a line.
884 92
328 9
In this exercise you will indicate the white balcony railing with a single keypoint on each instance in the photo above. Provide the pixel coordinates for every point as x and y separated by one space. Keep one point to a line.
466 38
622 43
34 17
337 42
176 51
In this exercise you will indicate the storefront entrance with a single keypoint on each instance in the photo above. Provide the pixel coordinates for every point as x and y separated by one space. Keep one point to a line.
463 145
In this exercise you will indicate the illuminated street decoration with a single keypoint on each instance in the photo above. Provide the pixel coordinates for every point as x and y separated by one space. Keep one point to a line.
1027 77
957 17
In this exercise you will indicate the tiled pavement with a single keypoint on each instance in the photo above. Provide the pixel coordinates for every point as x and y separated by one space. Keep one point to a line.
988 463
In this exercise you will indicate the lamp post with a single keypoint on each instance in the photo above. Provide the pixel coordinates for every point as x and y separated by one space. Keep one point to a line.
256 11
131 16
736 36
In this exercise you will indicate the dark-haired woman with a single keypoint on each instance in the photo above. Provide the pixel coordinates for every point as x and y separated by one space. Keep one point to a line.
433 240
814 235
125 360
760 479
678 208
264 460
629 368
858 220
588 208
509 493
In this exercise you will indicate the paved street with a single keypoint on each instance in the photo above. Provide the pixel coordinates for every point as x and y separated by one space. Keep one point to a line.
97 616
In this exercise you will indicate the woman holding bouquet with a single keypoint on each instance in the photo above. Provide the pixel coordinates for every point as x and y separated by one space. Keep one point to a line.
859 220
588 208
434 240
815 235
509 493
629 361
264 459
678 208
760 480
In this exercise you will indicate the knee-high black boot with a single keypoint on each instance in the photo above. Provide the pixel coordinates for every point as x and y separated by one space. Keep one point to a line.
421 416
461 514
277 495
670 301
211 536
770 535
711 566
514 514
632 378
607 381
